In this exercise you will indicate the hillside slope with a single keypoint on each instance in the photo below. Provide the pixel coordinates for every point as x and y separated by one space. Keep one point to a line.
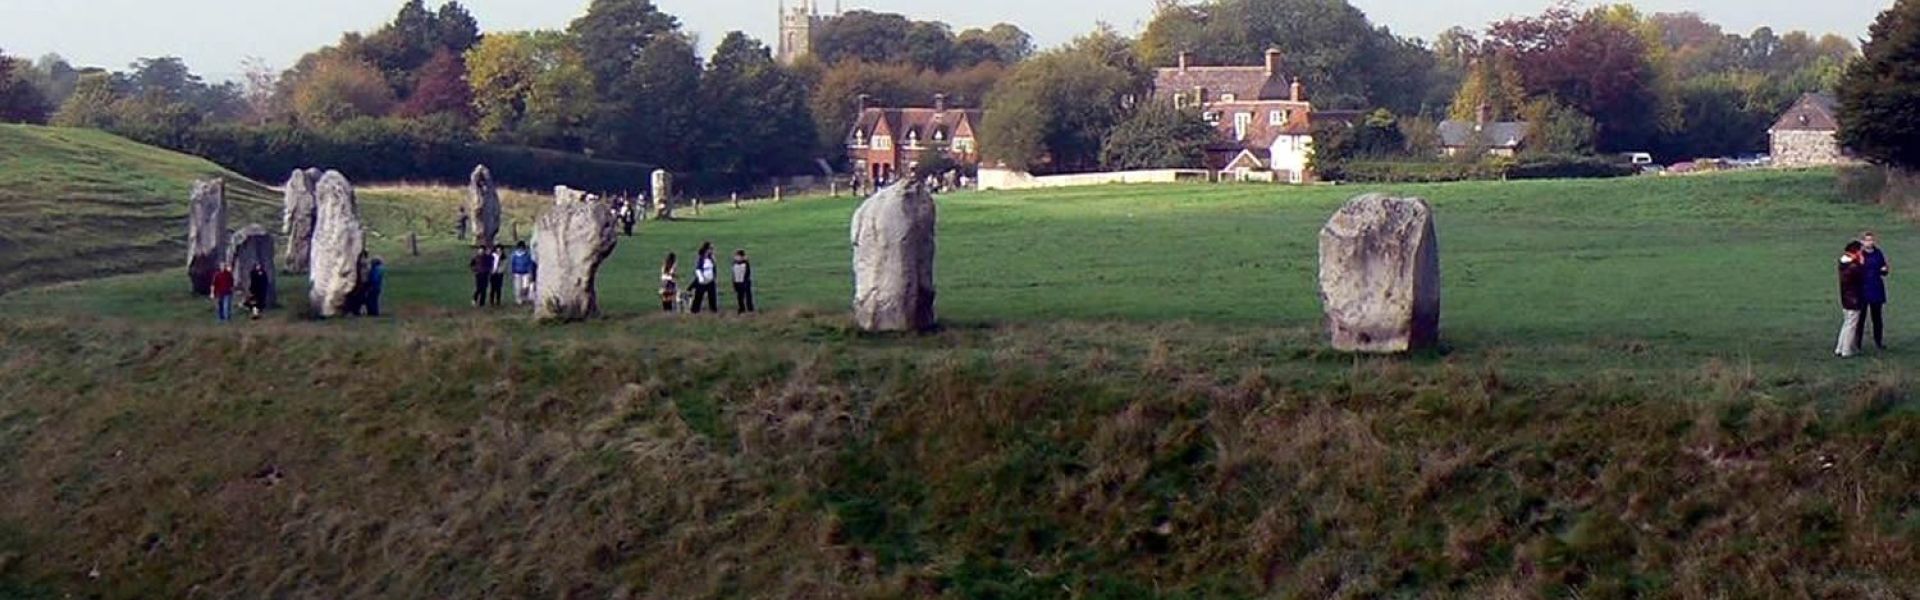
79 204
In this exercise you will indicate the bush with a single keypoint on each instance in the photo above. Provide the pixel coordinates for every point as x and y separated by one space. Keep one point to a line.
1499 168
382 150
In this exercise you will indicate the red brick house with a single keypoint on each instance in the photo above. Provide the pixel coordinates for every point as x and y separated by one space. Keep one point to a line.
886 142
1261 115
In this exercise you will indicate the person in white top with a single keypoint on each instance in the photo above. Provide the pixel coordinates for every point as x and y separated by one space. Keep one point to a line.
705 288
742 282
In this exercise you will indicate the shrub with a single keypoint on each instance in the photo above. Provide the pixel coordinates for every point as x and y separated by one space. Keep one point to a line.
1528 167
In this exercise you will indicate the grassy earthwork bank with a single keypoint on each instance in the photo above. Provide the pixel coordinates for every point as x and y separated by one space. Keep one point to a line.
1130 399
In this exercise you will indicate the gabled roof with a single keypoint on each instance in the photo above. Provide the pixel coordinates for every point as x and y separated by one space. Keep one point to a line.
1261 132
1814 112
903 122
1502 134
1251 158
1245 83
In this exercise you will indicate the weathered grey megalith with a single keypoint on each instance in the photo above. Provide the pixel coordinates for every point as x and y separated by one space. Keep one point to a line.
1380 275
296 219
893 249
483 202
569 243
206 233
253 245
663 193
337 243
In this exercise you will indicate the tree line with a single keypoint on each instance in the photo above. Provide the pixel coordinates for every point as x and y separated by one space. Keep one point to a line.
624 82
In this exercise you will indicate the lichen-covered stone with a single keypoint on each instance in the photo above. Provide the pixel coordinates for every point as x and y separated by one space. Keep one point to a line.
296 219
483 202
1380 275
337 242
570 242
893 254
206 234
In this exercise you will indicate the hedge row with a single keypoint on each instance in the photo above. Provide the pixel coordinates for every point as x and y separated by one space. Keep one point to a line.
378 151
1527 167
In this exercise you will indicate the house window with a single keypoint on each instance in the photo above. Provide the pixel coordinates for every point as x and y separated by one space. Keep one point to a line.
963 145
859 139
1228 97
913 140
881 142
1241 121
1212 117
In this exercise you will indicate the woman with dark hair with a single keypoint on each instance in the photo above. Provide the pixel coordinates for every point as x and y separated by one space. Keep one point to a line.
669 288
705 284
1852 281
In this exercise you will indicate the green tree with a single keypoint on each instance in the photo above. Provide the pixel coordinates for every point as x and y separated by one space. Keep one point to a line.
1158 136
743 79
1337 52
1557 128
1053 113
91 103
612 36
21 101
530 88
864 36
1880 91
656 115
339 88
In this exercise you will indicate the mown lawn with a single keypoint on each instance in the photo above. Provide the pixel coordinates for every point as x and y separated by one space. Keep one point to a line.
1564 275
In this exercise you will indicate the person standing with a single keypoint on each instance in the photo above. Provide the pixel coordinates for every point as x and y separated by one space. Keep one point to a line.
1852 272
669 283
357 298
376 279
257 283
742 282
705 286
523 270
1873 288
222 293
460 225
497 278
482 267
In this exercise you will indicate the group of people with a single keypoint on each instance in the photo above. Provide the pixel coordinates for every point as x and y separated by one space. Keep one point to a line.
706 282
1863 295
222 292
490 266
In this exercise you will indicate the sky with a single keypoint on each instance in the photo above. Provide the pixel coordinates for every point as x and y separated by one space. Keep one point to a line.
215 36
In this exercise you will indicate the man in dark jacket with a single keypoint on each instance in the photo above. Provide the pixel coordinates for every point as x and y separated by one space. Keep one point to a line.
482 267
1873 288
1852 272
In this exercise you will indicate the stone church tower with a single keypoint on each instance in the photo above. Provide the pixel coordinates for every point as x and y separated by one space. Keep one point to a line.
797 28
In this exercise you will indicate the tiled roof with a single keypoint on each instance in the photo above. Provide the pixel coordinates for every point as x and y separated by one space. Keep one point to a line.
1502 134
1261 132
921 121
1814 112
1245 83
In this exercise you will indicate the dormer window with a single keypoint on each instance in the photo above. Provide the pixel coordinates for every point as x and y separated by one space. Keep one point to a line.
1212 117
1228 97
860 138
1804 120
1276 117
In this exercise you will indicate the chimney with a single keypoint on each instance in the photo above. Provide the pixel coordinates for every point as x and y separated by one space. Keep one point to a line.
1183 61
863 102
939 103
1296 92
1273 61
1482 117
1200 94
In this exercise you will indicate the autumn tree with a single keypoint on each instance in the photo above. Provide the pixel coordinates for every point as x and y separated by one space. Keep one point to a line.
530 88
440 88
1880 91
339 88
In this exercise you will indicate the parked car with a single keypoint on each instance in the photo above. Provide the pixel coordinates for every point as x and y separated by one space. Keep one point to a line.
1638 159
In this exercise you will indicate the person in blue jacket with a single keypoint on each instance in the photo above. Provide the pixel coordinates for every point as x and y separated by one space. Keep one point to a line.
1873 288
376 278
524 270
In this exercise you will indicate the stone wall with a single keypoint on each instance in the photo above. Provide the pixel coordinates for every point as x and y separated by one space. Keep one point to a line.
1806 149
1007 179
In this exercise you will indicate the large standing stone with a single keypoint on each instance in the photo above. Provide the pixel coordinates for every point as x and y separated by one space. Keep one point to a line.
296 219
337 243
1380 275
893 249
663 193
206 233
569 243
253 245
483 202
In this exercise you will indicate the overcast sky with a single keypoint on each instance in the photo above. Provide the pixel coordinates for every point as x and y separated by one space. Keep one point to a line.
215 35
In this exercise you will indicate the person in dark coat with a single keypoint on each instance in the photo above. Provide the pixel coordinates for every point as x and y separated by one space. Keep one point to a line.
257 284
376 279
742 282
1852 273
497 277
482 267
1873 288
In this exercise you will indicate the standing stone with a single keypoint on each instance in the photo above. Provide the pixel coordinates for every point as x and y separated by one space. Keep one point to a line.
663 193
1380 275
893 249
206 233
296 220
569 243
253 245
337 243
483 202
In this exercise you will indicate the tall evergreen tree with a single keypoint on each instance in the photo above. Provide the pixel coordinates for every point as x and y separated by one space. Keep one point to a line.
1879 96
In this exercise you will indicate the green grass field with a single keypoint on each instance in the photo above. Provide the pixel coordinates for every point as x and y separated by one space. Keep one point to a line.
1130 399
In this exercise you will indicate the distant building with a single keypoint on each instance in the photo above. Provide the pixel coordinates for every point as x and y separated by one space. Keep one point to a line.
797 28
1262 118
1496 138
887 142
1808 134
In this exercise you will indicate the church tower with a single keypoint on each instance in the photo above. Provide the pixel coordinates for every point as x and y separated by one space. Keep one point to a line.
796 31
